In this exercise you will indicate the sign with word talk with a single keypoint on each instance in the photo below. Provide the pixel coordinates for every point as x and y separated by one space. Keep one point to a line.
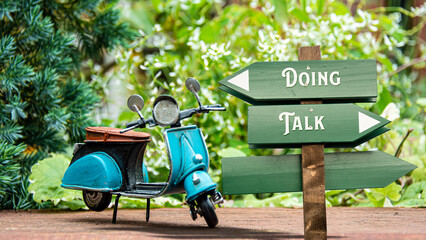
335 125
274 82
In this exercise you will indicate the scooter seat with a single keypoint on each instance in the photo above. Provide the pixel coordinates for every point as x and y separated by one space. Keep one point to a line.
109 134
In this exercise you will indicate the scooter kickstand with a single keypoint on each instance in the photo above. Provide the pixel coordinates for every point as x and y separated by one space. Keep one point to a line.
114 215
148 206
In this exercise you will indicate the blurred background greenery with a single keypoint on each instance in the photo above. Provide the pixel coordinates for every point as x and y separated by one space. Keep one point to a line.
71 64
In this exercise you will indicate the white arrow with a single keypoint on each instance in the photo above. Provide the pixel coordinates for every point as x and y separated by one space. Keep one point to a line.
241 80
366 122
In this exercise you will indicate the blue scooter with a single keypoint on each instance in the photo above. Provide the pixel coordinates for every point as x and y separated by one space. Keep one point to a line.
111 161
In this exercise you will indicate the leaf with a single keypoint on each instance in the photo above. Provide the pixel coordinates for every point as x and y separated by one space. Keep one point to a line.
231 152
139 15
340 8
159 202
46 178
383 99
421 102
301 15
381 197
278 200
127 116
208 33
281 10
414 196
73 204
419 161
320 6
412 203
386 62
415 191
106 122
333 192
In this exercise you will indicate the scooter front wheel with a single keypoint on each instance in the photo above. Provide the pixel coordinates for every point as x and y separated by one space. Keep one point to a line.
96 201
207 210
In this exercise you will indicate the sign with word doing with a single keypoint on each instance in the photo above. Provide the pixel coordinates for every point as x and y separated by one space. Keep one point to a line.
275 82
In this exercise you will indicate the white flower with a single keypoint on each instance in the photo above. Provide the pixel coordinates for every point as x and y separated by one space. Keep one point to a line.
194 40
201 20
158 65
387 42
254 4
419 11
157 28
391 112
268 8
157 75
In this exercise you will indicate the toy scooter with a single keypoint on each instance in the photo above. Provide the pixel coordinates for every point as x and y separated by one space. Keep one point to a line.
111 160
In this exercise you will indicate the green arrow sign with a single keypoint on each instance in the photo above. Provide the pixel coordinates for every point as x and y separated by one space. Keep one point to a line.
335 125
270 174
272 82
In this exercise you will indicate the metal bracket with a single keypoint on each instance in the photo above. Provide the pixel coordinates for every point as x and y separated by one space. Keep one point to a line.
114 215
148 207
217 199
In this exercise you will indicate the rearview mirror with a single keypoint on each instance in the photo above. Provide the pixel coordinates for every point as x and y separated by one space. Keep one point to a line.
135 103
192 84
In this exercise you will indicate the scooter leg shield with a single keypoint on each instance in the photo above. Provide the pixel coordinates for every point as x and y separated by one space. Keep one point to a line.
197 183
96 171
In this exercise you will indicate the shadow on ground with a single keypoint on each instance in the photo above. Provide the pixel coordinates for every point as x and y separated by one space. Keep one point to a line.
184 231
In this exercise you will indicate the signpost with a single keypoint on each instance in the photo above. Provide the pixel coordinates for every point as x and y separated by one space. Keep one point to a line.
312 126
313 176
270 174
279 82
335 125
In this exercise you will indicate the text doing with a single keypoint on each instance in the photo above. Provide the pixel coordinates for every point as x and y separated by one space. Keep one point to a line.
314 78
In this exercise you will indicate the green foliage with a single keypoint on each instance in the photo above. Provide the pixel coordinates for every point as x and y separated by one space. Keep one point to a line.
414 196
9 166
46 178
43 101
160 202
293 200
231 152
14 171
381 197
210 40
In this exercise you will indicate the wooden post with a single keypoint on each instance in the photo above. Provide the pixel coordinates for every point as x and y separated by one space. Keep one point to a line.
313 175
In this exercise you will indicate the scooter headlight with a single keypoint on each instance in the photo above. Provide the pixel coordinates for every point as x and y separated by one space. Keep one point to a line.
165 111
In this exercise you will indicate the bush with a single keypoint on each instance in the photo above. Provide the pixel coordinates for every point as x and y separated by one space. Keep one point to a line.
44 102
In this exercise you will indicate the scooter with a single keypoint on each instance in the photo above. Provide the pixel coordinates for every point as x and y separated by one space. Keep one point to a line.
111 160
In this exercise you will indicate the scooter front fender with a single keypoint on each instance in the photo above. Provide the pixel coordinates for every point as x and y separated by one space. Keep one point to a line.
196 184
96 171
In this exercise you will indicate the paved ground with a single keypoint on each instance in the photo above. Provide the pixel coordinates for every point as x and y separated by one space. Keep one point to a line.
234 223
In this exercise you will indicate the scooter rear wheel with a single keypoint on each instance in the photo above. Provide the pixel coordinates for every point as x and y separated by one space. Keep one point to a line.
96 201
207 210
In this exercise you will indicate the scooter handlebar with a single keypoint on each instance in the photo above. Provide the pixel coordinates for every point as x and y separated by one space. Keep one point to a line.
140 123
131 124
215 107
203 109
